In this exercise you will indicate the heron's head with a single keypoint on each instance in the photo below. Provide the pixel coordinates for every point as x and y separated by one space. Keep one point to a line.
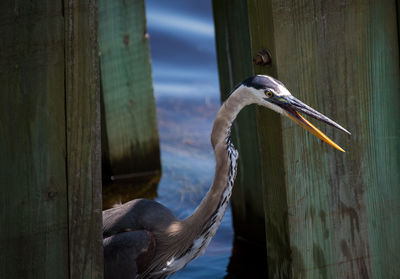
271 93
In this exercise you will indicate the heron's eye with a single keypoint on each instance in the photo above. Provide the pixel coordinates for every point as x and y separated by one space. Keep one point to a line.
268 93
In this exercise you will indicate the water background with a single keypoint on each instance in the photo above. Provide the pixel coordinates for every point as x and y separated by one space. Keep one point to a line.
186 88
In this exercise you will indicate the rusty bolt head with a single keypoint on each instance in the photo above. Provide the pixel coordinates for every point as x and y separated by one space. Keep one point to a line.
263 58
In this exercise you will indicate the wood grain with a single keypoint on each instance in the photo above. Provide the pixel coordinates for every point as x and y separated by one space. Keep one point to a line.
234 65
328 214
50 189
33 189
83 140
336 58
131 142
270 135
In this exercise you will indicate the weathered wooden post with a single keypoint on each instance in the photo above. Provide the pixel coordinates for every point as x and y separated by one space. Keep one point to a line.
50 187
130 138
235 64
328 214
82 81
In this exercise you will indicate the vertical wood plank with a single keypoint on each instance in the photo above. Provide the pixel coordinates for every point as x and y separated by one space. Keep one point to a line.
257 19
382 149
328 214
49 164
342 63
33 203
131 141
270 135
234 65
83 140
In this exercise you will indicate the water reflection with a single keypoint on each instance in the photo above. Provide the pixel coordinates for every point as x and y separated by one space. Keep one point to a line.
174 23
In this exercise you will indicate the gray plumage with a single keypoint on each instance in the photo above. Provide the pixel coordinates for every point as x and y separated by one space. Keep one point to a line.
121 251
143 239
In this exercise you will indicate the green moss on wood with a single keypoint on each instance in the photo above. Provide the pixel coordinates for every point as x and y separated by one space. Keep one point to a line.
131 141
328 214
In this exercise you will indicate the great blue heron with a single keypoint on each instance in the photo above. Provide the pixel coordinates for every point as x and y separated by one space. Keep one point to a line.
143 239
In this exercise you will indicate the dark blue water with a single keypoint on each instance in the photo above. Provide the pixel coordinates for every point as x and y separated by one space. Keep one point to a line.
187 96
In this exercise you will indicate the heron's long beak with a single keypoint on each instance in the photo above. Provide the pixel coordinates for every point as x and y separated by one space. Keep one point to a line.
293 106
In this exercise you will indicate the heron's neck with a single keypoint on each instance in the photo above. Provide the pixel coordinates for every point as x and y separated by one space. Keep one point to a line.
187 239
212 208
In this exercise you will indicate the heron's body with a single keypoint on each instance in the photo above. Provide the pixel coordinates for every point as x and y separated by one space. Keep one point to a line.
143 239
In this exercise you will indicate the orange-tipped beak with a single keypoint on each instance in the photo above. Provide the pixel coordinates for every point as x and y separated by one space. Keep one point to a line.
299 119
292 106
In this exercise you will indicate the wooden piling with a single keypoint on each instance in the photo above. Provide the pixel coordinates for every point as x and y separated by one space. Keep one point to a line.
234 65
130 137
328 214
50 188
82 81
